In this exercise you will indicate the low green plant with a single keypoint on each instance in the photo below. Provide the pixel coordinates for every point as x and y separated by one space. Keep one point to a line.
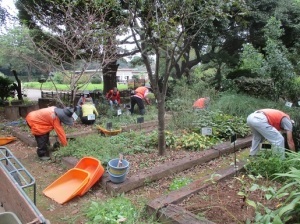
114 210
178 183
106 148
287 211
269 163
190 141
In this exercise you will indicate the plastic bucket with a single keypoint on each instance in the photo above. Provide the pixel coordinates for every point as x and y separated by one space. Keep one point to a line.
117 174
117 179
115 170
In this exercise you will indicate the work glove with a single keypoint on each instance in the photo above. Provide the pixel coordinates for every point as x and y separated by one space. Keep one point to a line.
56 146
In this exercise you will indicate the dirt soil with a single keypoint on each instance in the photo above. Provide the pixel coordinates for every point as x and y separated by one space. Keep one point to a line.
220 202
45 172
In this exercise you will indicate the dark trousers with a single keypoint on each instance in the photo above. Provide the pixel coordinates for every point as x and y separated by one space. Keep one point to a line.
136 100
43 144
85 120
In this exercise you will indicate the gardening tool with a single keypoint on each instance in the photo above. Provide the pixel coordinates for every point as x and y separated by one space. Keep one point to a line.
120 164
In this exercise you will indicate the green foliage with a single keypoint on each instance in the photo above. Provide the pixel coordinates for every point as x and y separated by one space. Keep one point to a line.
277 65
58 78
251 59
107 148
223 125
113 211
178 183
5 88
96 80
268 163
289 194
241 73
256 87
240 105
190 141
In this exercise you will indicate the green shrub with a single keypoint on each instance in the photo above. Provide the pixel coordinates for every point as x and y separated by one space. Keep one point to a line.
112 211
267 164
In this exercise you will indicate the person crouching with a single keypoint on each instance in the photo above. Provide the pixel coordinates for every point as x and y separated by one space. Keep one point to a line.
41 122
89 112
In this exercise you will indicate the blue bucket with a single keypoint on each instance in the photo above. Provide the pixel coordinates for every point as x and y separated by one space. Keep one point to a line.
117 179
117 174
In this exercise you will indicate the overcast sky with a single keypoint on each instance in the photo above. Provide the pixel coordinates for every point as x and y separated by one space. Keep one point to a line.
10 6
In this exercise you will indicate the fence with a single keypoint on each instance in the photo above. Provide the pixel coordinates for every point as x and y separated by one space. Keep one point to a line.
97 96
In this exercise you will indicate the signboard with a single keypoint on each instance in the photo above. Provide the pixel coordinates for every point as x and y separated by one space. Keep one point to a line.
140 120
109 125
91 117
233 138
206 131
266 146
75 116
288 104
119 112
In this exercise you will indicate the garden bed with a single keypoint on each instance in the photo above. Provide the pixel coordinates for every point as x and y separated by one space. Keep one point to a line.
220 202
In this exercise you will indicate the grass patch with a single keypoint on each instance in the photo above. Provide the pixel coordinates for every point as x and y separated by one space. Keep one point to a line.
65 87
106 148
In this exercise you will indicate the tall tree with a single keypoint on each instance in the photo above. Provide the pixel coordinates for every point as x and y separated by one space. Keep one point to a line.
106 23
167 30
18 52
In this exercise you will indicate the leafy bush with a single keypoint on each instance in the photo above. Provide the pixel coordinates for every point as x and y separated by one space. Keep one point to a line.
241 105
96 80
5 88
241 73
112 211
267 164
255 87
289 194
190 141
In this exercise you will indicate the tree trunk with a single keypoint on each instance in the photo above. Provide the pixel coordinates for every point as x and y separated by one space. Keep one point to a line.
18 86
161 127
110 76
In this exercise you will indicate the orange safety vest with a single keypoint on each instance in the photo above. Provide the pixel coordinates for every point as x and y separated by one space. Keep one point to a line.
274 117
140 92
200 103
45 120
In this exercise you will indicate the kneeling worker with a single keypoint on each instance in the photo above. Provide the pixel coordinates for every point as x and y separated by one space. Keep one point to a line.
88 111
41 122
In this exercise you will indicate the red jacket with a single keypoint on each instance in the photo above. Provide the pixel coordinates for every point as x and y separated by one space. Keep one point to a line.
274 117
113 96
45 120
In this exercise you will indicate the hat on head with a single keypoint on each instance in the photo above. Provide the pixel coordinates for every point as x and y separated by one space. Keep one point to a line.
148 85
88 100
65 115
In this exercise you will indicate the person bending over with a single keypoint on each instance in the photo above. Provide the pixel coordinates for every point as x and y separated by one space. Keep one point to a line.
268 123
41 122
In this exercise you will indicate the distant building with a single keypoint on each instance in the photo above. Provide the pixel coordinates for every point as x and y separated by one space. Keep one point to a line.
123 74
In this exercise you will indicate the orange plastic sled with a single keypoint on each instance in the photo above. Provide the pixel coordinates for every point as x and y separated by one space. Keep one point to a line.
7 139
106 132
94 168
67 186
